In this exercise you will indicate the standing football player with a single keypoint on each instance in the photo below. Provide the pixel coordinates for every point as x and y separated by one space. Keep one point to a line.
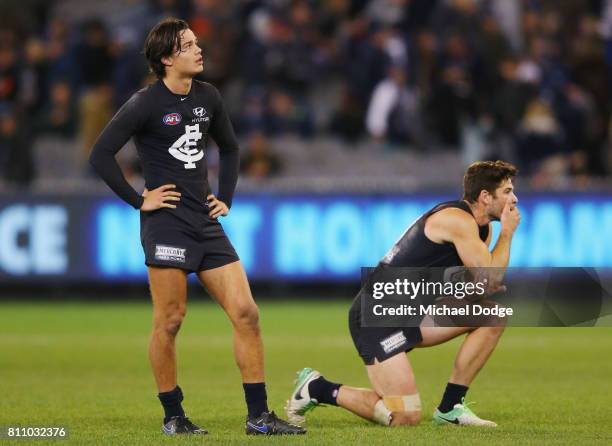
454 233
170 121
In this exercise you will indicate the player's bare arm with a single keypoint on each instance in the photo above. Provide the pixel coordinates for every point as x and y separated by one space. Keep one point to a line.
459 228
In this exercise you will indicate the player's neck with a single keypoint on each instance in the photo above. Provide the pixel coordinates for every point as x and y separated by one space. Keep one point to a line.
479 213
178 85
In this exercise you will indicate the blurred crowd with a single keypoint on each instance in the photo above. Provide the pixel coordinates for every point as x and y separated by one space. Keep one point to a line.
523 80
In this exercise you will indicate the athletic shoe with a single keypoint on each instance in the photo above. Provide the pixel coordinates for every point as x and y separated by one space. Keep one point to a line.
269 424
300 401
461 415
182 426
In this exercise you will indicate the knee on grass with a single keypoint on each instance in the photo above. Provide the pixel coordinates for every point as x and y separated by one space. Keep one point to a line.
398 410
411 418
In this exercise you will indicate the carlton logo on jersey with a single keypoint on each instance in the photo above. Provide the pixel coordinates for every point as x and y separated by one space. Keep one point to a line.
172 118
186 149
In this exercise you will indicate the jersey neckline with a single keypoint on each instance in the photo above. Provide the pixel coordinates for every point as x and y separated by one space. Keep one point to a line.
178 97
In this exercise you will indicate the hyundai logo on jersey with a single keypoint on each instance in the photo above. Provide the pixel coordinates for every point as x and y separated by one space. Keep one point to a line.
172 118
199 111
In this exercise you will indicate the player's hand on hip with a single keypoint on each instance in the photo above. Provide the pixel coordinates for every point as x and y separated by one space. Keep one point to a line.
162 197
217 207
510 217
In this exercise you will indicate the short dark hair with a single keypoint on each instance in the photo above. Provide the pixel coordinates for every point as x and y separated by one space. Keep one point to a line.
163 40
485 175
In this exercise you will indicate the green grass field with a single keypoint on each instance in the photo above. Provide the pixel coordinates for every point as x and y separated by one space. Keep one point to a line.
85 366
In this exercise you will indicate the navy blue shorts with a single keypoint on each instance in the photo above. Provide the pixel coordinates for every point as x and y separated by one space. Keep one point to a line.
191 241
380 343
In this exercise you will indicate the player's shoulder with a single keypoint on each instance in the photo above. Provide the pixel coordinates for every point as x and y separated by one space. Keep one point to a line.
204 86
142 96
454 219
206 89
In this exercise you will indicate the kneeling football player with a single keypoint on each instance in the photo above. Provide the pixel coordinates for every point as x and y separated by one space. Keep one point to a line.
450 234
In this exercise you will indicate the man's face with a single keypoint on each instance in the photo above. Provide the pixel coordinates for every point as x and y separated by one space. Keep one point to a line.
188 59
502 195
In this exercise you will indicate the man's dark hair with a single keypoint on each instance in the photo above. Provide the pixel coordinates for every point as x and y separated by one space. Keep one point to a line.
163 41
485 175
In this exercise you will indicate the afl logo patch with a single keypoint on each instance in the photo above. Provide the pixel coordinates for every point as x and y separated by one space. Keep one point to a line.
172 118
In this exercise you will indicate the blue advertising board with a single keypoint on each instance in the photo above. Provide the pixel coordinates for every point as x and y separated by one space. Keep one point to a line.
299 238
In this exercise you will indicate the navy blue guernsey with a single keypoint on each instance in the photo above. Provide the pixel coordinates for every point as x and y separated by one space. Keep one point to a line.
414 249
170 132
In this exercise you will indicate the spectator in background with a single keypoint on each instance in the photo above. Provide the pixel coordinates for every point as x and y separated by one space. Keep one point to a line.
591 72
492 48
93 55
507 105
170 8
453 96
457 17
347 120
367 58
300 51
253 113
511 96
213 24
575 109
305 67
280 47
34 92
9 70
530 26
424 57
259 160
95 110
15 149
95 62
287 115
508 15
539 137
387 12
332 16
61 63
393 113
253 48
58 117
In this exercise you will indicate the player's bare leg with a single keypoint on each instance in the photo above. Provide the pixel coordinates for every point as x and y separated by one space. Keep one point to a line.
169 295
394 400
473 353
394 378
359 400
228 285
471 357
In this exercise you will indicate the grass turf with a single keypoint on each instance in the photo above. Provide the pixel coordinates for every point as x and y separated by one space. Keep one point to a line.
85 366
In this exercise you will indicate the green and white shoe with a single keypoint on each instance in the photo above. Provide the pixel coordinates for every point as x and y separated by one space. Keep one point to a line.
300 401
461 415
